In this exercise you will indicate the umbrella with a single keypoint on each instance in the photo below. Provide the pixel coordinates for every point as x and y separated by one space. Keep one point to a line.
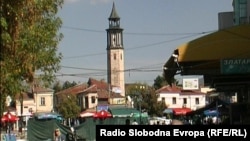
168 111
102 114
211 112
87 114
8 117
48 116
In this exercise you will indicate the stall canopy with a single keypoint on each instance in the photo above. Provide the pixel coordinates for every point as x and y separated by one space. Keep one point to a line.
87 114
203 55
102 114
123 112
47 115
209 107
8 117
181 111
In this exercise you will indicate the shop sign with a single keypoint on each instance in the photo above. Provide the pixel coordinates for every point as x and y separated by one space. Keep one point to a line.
235 66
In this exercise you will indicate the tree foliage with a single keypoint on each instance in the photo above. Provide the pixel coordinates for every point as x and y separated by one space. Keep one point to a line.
68 107
159 82
144 97
57 86
151 103
68 84
29 40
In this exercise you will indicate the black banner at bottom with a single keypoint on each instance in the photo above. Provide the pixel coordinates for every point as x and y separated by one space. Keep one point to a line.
187 132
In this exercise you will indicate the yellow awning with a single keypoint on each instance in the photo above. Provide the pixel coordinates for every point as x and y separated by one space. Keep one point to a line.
232 42
205 53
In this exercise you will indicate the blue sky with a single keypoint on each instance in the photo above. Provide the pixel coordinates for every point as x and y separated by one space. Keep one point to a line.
152 30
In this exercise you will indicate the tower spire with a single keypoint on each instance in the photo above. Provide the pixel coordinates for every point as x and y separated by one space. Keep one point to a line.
114 14
114 19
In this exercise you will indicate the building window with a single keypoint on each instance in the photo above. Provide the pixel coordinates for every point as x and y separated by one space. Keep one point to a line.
42 102
114 56
93 99
197 101
184 100
174 100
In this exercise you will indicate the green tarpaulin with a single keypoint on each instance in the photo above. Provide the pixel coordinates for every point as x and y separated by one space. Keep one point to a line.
42 130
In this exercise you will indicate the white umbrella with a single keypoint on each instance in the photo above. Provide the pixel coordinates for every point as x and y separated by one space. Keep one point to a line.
87 114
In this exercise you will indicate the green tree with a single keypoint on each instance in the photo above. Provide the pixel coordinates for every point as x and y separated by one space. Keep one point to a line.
57 87
159 82
68 106
150 103
68 84
29 40
146 96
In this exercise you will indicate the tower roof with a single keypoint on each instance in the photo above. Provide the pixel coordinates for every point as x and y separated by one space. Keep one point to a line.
114 14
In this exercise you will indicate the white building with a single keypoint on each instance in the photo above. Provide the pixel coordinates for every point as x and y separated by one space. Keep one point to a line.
175 97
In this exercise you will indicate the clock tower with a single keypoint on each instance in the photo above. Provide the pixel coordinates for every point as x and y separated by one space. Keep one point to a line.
115 53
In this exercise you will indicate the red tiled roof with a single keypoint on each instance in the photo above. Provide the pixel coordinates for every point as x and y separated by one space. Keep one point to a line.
41 89
169 89
73 90
100 84
25 96
176 89
191 92
103 94
28 96
101 87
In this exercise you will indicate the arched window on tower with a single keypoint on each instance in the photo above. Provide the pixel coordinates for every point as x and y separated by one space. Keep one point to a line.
113 40
114 56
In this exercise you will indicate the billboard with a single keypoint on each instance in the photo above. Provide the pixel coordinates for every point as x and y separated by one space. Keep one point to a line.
190 83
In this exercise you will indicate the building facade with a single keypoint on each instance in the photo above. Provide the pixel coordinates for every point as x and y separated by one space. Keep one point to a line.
37 101
175 97
239 15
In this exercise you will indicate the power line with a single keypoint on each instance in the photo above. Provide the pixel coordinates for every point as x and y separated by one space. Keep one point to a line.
145 69
151 67
132 33
82 68
133 48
